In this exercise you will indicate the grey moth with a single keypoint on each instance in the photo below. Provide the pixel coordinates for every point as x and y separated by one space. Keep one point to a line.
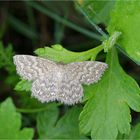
55 81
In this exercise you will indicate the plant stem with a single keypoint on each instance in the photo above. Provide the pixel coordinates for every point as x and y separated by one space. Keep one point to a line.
64 21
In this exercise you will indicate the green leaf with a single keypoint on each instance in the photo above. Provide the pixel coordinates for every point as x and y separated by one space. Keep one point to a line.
23 85
97 11
126 19
65 128
10 122
107 109
6 62
59 54
6 55
135 133
46 121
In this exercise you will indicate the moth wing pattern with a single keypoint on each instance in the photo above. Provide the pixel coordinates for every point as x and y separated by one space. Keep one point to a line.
71 91
87 72
44 90
31 67
67 92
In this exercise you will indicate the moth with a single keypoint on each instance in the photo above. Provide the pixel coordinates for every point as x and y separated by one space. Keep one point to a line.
55 81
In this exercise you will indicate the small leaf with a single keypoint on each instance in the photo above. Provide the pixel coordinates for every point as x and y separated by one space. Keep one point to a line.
6 62
59 54
23 85
126 19
10 122
107 109
6 55
65 128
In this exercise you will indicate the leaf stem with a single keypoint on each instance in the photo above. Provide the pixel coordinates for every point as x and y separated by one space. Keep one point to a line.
36 110
100 31
23 110
111 41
